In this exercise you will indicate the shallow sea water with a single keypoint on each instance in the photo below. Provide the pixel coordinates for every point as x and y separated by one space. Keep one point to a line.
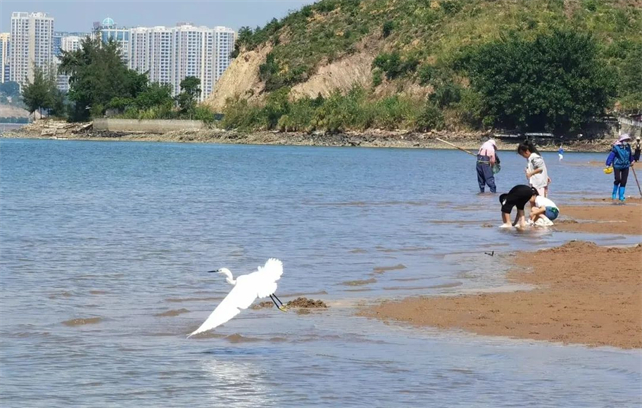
104 248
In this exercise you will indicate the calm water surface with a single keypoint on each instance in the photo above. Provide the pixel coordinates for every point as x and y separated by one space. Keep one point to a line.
121 234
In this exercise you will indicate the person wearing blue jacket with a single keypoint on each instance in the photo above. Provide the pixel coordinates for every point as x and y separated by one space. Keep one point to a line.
621 159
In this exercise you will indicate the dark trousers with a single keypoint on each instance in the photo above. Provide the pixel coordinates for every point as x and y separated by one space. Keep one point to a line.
621 175
485 174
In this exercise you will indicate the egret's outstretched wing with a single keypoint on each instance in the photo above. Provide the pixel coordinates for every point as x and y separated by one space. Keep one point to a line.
267 276
240 297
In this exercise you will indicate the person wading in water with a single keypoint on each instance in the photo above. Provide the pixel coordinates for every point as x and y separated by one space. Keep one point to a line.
486 159
621 159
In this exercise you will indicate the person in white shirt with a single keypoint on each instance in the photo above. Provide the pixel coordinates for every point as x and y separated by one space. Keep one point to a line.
536 171
542 206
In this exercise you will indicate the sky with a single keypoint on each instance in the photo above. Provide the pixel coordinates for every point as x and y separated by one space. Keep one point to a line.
79 15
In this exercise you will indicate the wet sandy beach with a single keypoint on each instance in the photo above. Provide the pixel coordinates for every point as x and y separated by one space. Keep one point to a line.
584 293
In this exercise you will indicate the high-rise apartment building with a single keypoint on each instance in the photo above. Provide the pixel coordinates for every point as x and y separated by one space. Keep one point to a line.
59 35
224 39
150 50
4 56
108 30
67 43
31 44
169 54
193 53
70 43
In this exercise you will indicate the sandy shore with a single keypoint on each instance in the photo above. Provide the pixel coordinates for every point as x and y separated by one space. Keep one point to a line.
613 218
585 294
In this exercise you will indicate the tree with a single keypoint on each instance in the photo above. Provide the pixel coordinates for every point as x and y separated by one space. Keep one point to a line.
155 95
552 83
630 81
39 94
97 74
190 91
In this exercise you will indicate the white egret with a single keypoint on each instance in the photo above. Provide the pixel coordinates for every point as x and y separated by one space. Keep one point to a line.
247 288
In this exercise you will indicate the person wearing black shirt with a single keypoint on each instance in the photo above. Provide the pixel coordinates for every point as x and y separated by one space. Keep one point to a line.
518 196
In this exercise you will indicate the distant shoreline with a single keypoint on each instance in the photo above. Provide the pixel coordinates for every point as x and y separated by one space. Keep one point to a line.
382 139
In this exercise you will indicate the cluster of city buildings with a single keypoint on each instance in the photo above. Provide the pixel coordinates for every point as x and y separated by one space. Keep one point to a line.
166 54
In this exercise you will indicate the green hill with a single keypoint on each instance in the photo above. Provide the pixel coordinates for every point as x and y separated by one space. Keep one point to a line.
420 64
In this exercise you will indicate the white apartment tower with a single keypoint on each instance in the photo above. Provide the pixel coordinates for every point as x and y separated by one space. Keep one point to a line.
4 56
224 39
31 43
169 54
70 43
150 50
193 52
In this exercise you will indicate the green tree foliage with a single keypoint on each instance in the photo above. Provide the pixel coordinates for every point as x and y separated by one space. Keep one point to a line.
98 75
394 65
424 41
155 101
187 98
387 28
553 82
155 95
354 110
41 93
630 82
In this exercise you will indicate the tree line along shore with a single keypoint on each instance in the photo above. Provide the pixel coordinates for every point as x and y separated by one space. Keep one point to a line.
341 66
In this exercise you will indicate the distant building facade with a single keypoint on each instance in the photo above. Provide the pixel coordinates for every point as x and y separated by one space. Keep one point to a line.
169 54
31 45
224 40
193 56
5 44
150 50
59 35
108 30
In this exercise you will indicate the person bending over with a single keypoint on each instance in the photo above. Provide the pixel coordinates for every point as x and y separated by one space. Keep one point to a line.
542 206
518 196
486 158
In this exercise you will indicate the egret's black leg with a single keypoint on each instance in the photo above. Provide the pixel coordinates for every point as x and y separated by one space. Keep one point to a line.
274 301
281 307
274 294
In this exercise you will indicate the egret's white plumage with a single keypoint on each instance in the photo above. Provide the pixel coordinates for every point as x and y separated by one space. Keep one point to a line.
247 288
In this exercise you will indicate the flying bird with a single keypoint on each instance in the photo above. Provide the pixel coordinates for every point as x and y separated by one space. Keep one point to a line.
247 288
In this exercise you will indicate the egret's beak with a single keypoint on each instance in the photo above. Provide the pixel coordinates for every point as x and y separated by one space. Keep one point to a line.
214 271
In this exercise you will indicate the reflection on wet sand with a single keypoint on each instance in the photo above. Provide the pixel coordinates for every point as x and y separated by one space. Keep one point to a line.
405 249
443 286
82 321
374 203
359 282
205 299
383 269
172 313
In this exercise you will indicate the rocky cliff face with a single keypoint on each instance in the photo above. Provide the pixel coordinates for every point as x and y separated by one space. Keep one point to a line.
240 80
340 75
